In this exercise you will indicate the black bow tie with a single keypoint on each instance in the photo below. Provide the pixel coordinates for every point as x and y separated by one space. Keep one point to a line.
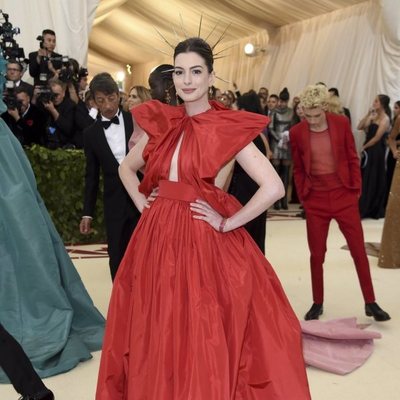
113 120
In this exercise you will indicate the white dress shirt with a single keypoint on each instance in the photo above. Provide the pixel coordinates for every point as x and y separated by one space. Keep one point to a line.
115 136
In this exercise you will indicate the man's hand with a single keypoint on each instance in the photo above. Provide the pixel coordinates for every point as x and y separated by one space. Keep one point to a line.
42 52
49 106
85 225
14 113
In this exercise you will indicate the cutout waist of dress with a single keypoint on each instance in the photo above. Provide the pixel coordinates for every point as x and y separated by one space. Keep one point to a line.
177 191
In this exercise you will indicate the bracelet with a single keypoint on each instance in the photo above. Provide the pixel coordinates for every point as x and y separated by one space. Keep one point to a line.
222 225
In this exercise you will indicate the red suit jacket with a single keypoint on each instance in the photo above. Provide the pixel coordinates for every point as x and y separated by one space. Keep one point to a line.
344 152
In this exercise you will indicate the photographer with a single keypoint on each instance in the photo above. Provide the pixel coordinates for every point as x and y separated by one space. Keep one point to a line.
61 110
24 119
14 74
85 112
45 60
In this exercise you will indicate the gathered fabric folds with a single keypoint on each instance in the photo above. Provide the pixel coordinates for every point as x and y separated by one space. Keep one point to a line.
43 302
195 313
339 346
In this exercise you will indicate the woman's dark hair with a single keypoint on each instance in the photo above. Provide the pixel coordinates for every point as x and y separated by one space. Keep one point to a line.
198 46
385 101
397 103
161 84
295 118
250 101
284 95
74 66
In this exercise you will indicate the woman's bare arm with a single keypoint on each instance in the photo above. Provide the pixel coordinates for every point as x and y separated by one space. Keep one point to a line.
392 139
270 185
128 172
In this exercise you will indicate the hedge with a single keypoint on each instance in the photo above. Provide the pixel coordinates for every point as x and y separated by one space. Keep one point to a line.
60 176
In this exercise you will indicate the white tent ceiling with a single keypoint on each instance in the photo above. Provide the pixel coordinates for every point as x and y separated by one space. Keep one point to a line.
124 30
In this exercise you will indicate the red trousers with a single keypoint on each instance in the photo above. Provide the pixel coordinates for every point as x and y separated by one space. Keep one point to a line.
342 205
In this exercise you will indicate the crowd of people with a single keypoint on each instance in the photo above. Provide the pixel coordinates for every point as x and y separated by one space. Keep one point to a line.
57 108
186 194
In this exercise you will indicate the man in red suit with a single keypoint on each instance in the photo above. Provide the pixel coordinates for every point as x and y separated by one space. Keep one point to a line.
328 181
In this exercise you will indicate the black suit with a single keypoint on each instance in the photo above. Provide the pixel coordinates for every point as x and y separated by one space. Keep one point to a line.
35 68
30 128
120 214
82 121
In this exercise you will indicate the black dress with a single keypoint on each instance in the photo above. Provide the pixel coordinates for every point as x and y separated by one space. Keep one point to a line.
243 188
372 201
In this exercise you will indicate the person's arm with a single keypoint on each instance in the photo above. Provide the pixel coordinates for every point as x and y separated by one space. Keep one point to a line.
352 157
51 110
271 189
65 119
365 122
92 177
382 128
299 172
266 144
392 139
73 95
128 169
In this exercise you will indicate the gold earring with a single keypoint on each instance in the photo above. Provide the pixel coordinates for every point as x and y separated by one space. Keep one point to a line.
167 96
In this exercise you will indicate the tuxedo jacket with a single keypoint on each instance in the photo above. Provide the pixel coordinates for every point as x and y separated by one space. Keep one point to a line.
117 203
343 148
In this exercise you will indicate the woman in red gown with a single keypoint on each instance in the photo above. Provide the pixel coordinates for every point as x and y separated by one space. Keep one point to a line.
196 311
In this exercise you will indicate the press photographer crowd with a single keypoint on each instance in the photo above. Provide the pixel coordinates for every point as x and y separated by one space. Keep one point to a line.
54 111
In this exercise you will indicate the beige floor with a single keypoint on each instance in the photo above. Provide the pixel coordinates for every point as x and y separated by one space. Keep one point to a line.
377 379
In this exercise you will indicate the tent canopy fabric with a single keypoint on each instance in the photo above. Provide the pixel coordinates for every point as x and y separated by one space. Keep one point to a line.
124 30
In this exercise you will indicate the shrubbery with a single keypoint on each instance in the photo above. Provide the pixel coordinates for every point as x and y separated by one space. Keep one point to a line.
60 176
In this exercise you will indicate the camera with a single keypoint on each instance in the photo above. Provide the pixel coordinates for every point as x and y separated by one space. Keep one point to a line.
9 97
9 47
67 73
45 94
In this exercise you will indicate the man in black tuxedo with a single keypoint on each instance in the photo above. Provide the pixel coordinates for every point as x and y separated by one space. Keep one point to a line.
19 369
25 120
106 145
45 61
14 76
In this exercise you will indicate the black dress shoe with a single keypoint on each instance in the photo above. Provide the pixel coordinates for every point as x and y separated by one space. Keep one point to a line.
277 206
45 395
314 312
373 310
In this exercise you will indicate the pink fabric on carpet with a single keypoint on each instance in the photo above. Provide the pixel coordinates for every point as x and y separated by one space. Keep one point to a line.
339 346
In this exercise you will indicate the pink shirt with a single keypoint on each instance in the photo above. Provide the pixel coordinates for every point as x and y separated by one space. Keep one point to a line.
323 167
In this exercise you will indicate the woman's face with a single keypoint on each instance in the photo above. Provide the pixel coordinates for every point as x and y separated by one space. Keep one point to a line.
396 110
191 77
282 104
133 99
376 105
300 111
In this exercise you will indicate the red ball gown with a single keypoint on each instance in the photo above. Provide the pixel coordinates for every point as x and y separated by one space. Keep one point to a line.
194 313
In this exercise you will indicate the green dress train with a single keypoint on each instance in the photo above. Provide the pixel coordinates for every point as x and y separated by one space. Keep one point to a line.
43 302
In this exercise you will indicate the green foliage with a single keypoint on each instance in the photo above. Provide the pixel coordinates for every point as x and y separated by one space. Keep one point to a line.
60 176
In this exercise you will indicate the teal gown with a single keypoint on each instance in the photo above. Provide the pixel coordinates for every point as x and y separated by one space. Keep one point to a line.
43 302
